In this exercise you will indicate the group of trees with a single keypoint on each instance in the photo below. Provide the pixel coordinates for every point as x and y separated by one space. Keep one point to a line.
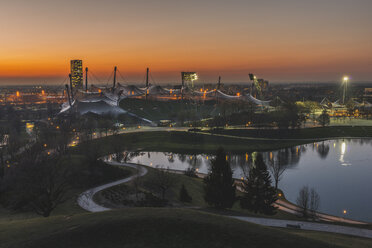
35 181
259 195
220 187
308 200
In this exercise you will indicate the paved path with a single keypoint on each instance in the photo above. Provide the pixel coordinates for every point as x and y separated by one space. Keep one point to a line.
85 199
360 232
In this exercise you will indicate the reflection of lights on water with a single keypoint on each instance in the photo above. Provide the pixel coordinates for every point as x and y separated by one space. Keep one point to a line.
343 148
246 157
343 151
334 145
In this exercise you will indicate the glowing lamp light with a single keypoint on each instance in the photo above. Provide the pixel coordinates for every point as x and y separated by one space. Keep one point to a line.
17 93
344 211
280 194
346 78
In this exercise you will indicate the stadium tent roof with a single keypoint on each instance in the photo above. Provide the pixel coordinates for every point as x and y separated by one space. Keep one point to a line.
99 107
157 90
129 90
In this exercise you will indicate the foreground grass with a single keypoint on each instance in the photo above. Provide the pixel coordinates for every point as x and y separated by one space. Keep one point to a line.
155 227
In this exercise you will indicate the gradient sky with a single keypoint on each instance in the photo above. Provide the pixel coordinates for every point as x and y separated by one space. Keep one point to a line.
280 40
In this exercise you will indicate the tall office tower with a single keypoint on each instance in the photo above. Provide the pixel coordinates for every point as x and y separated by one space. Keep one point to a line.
77 73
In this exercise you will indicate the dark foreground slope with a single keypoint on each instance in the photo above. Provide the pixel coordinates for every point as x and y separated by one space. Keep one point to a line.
150 227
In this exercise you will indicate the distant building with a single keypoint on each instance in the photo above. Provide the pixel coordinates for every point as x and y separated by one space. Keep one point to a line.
367 94
77 73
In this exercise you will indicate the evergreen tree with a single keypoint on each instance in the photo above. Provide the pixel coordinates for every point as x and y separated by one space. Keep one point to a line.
259 195
219 184
324 118
184 195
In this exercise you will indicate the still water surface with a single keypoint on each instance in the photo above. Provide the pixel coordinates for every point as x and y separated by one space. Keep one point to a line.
339 170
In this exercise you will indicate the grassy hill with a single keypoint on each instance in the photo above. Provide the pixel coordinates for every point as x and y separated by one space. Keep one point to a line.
165 110
305 133
155 227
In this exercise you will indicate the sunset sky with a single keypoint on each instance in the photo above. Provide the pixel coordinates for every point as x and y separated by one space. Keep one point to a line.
280 40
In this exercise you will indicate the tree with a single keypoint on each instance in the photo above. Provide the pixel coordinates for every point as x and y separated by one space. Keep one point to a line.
219 184
314 202
137 182
277 167
184 195
161 180
37 182
259 195
308 201
303 200
324 118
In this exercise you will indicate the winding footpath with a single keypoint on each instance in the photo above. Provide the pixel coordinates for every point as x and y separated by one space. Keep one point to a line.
85 200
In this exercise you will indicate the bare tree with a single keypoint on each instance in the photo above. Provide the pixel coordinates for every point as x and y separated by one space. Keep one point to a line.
303 200
277 167
314 201
37 182
308 201
161 180
137 182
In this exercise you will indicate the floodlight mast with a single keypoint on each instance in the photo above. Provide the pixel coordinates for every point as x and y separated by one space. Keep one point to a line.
86 79
345 82
255 84
147 82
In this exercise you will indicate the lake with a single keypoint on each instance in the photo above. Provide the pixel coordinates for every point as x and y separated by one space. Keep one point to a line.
339 170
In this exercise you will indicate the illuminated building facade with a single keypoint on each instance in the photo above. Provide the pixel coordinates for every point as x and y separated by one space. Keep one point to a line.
77 73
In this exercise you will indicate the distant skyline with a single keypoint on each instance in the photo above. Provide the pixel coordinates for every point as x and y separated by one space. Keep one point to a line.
279 40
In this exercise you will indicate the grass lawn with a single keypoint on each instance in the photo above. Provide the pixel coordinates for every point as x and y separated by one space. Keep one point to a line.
156 227
85 176
306 133
181 142
164 110
350 122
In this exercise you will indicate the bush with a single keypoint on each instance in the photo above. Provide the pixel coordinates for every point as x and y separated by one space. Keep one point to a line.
190 172
184 195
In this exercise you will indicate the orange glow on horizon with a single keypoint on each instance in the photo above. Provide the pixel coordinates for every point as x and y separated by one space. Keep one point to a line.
288 43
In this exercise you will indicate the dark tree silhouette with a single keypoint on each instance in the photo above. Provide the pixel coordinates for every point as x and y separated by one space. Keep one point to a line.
161 180
324 118
184 195
259 195
308 200
38 182
278 166
219 184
